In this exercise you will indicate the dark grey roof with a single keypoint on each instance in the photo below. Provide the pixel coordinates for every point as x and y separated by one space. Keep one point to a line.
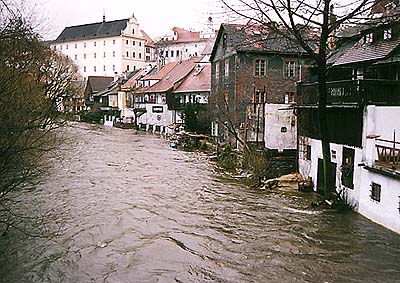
96 84
257 38
367 52
90 31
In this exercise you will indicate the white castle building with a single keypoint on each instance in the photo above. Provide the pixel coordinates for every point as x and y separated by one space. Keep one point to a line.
106 48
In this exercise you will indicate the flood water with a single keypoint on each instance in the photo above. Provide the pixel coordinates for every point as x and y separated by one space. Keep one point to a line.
131 209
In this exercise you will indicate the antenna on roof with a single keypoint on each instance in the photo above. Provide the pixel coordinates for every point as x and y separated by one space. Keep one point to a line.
104 15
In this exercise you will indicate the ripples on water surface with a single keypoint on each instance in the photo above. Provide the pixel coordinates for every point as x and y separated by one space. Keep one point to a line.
135 210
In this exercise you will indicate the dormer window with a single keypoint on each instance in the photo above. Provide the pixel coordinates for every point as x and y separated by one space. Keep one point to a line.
368 38
224 40
387 34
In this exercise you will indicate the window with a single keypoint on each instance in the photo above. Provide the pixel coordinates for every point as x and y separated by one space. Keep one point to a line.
333 154
177 53
76 46
226 68
76 57
289 97
375 192
140 43
140 55
283 130
387 34
94 44
348 167
113 68
84 44
113 41
94 68
84 56
147 50
127 42
66 46
113 53
368 38
147 58
308 152
290 69
104 55
260 67
133 55
104 68
94 55
127 53
133 31
217 71
224 40
104 43
127 67
84 69
60 47
166 53
172 53
133 43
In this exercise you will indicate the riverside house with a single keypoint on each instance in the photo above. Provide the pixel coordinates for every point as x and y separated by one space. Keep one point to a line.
363 112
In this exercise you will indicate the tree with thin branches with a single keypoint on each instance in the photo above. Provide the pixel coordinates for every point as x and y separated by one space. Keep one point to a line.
298 18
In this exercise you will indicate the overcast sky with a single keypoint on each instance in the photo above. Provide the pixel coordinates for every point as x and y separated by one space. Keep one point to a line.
156 17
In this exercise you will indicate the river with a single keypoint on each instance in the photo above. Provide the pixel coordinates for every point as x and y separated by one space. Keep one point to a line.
131 209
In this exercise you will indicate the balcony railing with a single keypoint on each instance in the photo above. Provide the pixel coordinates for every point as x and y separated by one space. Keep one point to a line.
385 92
388 153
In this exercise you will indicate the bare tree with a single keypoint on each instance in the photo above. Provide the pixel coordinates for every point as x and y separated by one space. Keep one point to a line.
299 18
32 78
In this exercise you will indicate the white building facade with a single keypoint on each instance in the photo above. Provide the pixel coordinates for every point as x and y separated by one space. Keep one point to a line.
105 48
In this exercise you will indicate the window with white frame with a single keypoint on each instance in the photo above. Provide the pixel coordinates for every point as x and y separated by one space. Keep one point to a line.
260 67
226 68
290 69
387 33
217 70
368 38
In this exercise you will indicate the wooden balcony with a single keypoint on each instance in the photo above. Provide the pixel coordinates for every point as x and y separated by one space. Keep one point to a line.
358 92
388 155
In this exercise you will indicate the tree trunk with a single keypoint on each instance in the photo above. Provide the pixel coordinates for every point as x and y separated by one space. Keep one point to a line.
324 130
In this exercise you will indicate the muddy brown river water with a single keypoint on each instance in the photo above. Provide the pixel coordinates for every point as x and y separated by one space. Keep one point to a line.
132 209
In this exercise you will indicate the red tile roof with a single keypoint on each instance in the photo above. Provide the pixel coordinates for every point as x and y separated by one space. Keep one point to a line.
184 35
132 81
163 72
199 80
179 72
149 42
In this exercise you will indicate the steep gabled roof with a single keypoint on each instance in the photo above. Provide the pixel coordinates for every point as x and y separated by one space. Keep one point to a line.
90 31
149 42
256 38
367 52
140 74
98 83
199 80
179 72
162 73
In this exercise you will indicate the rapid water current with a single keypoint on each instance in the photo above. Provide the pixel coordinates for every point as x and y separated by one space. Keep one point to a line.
131 209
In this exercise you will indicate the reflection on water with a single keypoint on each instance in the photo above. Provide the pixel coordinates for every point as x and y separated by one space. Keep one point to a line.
132 209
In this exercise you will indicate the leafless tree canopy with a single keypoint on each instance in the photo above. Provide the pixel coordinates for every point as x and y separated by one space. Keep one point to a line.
32 79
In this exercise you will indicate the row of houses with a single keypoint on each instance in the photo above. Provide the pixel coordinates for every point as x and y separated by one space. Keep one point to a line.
260 91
